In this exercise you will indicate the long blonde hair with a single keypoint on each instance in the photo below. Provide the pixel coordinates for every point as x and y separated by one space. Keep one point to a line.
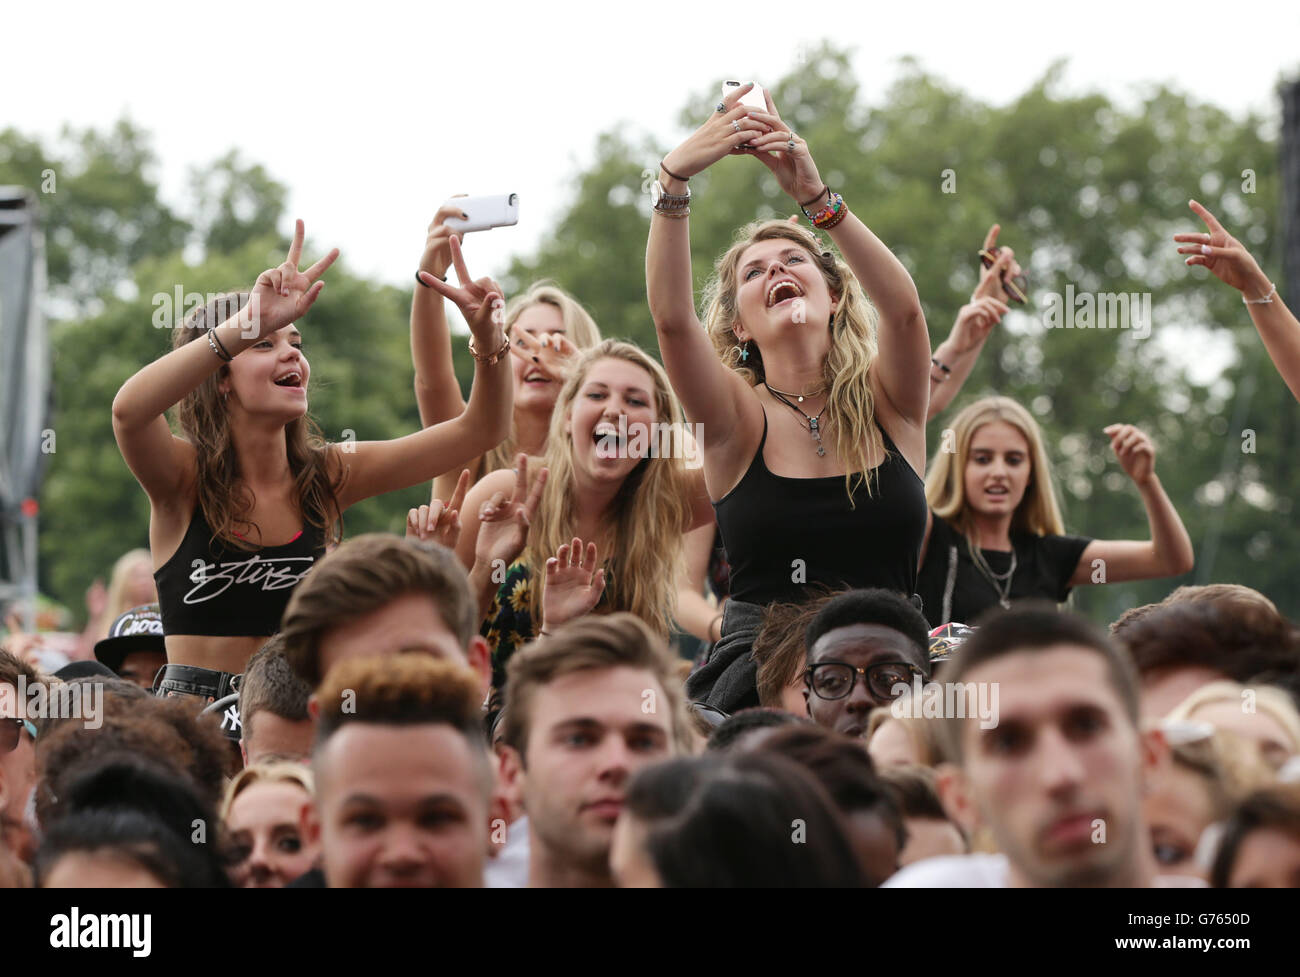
579 328
850 405
116 601
204 420
650 512
945 485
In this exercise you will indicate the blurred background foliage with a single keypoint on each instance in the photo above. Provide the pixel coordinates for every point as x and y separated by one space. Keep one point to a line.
1088 189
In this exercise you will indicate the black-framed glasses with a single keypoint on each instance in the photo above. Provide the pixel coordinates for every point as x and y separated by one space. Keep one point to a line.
11 730
835 680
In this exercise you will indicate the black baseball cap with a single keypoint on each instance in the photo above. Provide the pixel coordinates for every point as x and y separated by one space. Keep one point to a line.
139 629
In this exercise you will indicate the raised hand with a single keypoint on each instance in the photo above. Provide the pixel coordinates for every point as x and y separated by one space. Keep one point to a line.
975 320
480 300
1225 256
1004 268
1135 451
721 135
787 156
437 522
283 295
504 523
552 353
574 583
437 246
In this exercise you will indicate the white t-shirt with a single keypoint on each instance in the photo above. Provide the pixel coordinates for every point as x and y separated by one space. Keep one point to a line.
978 871
984 871
509 870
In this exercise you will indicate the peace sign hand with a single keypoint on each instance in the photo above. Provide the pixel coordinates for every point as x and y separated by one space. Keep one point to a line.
504 523
283 295
574 583
479 300
1225 256
552 353
436 522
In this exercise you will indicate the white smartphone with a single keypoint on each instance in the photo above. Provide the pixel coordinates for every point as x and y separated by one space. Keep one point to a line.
754 98
484 212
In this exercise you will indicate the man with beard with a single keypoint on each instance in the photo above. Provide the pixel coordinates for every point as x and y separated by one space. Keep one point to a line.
1058 778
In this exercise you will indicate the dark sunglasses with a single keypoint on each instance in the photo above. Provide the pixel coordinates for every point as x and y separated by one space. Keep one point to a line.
11 729
1016 287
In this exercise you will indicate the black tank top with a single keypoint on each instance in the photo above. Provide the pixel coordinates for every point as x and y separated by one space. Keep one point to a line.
208 589
782 534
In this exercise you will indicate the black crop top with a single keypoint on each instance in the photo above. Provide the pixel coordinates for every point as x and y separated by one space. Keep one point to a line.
783 534
208 589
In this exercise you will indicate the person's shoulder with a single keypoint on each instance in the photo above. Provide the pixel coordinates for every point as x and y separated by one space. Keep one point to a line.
979 871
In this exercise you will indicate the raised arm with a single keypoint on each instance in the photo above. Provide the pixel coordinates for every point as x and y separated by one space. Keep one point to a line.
904 358
1230 262
437 392
1169 551
956 355
376 467
159 461
710 393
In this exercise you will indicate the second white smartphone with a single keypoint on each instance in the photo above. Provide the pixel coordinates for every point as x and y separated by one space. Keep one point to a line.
484 212
753 98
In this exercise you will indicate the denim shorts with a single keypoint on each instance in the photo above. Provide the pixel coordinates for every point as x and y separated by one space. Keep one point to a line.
207 684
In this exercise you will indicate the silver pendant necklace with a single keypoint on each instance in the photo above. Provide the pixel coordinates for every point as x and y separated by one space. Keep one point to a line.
1001 582
813 422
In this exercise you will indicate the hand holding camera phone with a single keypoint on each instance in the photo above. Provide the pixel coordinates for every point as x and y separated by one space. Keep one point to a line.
754 98
484 212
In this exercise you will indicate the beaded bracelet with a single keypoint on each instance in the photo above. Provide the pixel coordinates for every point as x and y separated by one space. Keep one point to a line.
830 215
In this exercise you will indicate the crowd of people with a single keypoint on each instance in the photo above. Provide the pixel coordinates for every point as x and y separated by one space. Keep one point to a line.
890 693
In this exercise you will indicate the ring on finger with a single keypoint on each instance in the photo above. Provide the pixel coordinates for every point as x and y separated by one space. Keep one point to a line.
720 108
735 124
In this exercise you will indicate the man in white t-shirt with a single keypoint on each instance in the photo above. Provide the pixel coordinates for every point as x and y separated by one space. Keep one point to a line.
1059 773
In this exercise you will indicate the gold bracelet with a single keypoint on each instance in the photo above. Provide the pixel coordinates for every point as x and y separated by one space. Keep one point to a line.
675 214
491 359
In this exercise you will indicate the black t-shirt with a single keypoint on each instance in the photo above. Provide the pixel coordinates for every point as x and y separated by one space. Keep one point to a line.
1044 566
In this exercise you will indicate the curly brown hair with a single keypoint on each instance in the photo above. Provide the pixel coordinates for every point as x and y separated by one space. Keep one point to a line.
166 731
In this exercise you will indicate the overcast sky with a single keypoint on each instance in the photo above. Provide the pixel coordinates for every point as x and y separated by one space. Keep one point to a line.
372 113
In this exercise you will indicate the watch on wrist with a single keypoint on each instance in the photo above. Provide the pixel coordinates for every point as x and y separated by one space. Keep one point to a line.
664 201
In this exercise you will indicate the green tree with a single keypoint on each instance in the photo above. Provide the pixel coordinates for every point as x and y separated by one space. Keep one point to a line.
99 203
235 203
1089 192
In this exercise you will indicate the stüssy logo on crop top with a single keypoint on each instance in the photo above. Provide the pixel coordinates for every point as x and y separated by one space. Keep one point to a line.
211 580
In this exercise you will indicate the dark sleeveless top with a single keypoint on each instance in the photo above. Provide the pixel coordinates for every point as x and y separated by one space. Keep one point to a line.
953 589
208 589
784 534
